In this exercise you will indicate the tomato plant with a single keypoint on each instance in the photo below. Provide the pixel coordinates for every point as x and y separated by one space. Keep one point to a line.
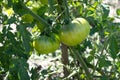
59 40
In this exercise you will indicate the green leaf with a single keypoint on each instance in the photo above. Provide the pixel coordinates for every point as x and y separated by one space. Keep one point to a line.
106 11
85 1
1 38
35 74
104 62
104 78
118 12
90 58
4 18
1 1
9 3
11 20
42 10
18 70
25 37
118 66
22 71
113 47
17 7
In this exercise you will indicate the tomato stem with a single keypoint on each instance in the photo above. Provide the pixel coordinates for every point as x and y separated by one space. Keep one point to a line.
64 48
83 64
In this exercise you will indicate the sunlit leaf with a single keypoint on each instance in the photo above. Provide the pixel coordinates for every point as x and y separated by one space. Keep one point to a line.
25 37
105 11
118 12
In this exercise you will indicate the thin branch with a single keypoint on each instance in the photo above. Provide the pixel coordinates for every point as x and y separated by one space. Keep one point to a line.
34 15
84 66
59 16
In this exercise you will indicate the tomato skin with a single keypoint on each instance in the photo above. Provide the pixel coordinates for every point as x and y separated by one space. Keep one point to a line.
44 2
27 18
74 32
46 44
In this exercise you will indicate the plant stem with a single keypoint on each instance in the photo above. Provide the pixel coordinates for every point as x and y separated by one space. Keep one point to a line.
81 61
34 15
64 48
84 67
65 60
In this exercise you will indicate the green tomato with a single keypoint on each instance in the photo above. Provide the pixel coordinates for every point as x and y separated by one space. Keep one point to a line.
27 18
45 2
74 32
46 44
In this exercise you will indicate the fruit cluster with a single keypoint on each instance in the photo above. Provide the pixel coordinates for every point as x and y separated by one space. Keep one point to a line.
70 34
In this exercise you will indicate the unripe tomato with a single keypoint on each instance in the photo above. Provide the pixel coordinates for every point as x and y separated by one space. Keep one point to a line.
44 2
46 44
75 32
27 18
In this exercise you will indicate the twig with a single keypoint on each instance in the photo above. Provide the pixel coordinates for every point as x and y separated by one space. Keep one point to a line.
34 15
59 16
84 66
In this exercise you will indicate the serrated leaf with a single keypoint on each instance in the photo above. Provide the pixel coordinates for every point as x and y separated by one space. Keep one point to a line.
18 70
113 47
106 11
25 37
104 62
22 72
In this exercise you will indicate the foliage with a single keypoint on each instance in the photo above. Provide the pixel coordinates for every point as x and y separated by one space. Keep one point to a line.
97 57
